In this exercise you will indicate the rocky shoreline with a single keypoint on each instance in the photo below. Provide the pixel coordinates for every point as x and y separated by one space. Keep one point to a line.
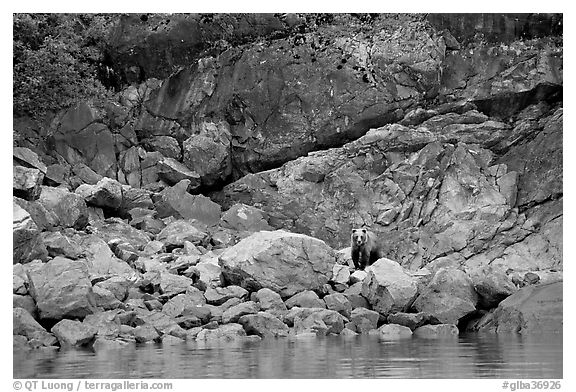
209 207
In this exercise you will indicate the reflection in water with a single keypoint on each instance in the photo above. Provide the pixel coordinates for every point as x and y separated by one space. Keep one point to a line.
469 356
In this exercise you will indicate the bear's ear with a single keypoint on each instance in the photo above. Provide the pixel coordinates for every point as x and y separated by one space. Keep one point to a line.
364 231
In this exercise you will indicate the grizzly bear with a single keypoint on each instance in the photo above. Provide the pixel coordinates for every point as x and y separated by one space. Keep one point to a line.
365 248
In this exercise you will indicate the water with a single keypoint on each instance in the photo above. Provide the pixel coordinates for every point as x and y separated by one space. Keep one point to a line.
468 356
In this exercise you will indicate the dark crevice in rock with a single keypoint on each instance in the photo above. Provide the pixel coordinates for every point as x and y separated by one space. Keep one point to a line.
535 203
505 106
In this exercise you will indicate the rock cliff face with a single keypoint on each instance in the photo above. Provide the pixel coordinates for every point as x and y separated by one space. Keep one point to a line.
219 189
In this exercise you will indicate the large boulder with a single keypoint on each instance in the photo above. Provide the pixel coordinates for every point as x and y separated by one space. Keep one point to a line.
449 296
69 208
209 156
23 156
176 201
61 288
281 261
178 232
389 288
264 325
106 193
73 333
241 217
24 324
173 171
26 182
533 309
27 243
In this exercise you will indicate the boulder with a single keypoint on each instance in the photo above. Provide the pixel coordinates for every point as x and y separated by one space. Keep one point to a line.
62 288
58 244
492 286
166 145
305 299
411 320
207 272
73 333
25 302
219 295
176 201
26 182
100 259
105 299
27 243
241 217
182 303
363 320
115 228
388 287
270 301
354 295
69 208
340 303
106 193
23 156
436 331
449 296
393 332
146 333
177 232
24 324
323 321
248 263
172 172
532 309
233 314
264 325
228 332
210 158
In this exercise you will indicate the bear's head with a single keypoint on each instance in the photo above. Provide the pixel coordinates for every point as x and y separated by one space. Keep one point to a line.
359 236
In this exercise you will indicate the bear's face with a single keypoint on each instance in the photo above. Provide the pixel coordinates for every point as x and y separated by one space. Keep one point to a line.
359 236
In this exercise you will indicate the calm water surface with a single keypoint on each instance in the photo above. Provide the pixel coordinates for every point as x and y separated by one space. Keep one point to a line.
469 356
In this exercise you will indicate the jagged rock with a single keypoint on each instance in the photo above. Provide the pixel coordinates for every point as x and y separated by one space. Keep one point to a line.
207 272
247 263
27 243
492 286
176 201
449 296
323 322
340 274
354 295
146 333
393 332
358 276
412 320
24 324
69 208
173 171
219 295
165 145
135 198
23 156
388 287
340 303
24 302
210 158
363 320
182 303
106 193
114 228
436 331
532 309
233 314
58 244
264 325
106 324
100 258
176 233
241 217
168 283
305 299
26 182
61 288
226 332
73 333
270 301
42 217
105 299
290 316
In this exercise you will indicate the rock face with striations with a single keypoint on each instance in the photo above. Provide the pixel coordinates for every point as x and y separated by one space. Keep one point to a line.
286 263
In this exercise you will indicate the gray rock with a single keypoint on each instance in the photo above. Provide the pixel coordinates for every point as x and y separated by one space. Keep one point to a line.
271 302
26 182
241 217
27 243
233 314
264 325
219 295
62 288
69 208
389 287
105 193
305 299
24 324
176 201
146 333
393 332
412 320
436 331
363 320
176 233
73 333
172 171
340 303
228 332
248 263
